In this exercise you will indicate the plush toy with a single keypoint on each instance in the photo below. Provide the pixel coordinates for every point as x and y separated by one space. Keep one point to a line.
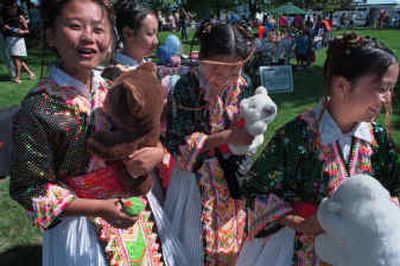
257 111
133 107
361 223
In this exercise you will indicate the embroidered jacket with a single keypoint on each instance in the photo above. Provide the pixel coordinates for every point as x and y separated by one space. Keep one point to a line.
304 163
51 165
226 221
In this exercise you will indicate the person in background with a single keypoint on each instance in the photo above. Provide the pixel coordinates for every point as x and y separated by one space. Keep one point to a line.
137 27
283 22
184 22
5 52
298 22
15 27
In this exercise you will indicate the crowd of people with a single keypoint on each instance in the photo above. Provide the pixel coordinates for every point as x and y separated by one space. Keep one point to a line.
196 212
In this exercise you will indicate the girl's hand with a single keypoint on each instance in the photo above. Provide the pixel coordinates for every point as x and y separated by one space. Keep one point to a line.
142 161
111 211
240 136
309 226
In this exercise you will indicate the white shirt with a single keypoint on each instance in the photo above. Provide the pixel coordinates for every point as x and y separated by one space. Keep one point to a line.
330 132
63 79
123 59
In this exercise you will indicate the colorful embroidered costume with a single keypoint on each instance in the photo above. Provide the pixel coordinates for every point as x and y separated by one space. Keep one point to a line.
306 161
212 224
51 167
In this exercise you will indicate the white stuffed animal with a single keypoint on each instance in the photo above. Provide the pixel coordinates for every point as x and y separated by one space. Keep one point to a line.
361 223
258 111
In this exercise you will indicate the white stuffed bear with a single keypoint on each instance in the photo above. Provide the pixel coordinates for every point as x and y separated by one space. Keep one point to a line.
258 111
361 223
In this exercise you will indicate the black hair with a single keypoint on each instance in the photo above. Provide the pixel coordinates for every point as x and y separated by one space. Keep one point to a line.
130 14
352 56
224 39
51 10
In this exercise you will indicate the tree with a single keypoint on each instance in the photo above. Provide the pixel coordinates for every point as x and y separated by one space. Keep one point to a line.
209 7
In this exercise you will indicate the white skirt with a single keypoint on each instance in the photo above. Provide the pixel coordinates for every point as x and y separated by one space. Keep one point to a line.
276 250
72 242
16 46
183 208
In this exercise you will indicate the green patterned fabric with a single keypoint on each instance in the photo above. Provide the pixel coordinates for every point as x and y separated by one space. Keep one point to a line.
193 117
290 166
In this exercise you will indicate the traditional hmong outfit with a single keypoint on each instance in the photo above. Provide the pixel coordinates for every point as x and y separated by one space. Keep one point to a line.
211 223
51 167
306 161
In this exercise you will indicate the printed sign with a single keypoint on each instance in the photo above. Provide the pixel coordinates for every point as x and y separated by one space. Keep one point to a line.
277 79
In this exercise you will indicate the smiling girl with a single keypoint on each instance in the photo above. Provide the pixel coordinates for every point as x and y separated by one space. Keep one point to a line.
51 164
310 156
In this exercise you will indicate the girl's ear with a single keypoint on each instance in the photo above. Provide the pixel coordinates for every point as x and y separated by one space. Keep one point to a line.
341 86
127 32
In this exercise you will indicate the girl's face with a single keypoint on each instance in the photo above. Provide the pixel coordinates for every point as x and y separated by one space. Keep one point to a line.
218 76
368 94
82 36
144 40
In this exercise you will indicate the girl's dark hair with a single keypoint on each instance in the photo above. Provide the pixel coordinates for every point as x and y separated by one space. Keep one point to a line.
130 14
224 39
51 10
352 56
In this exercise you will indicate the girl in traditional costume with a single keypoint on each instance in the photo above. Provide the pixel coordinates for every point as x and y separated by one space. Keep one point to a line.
202 118
79 201
309 157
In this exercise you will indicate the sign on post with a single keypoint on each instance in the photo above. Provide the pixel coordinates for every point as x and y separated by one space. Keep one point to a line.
277 79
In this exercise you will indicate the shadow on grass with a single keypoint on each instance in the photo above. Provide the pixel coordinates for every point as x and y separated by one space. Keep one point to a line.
21 256
4 78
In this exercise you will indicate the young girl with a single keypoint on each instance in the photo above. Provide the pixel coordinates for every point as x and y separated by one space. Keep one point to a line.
137 27
309 157
50 134
202 112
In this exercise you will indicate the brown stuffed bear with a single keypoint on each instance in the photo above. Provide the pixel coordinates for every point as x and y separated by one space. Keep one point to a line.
134 106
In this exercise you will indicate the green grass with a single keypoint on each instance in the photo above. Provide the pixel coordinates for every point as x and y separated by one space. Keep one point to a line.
15 230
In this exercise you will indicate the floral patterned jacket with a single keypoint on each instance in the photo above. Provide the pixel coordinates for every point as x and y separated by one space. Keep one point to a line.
298 168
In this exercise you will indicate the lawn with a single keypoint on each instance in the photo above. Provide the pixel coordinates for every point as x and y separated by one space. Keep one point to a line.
16 231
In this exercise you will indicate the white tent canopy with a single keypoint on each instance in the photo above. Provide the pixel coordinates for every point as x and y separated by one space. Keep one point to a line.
380 2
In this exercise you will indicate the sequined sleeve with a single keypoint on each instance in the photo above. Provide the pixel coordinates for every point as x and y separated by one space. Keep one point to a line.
33 183
385 161
184 137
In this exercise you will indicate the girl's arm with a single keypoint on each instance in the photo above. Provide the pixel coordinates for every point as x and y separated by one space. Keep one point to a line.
33 182
109 209
144 160
229 136
25 28
309 226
